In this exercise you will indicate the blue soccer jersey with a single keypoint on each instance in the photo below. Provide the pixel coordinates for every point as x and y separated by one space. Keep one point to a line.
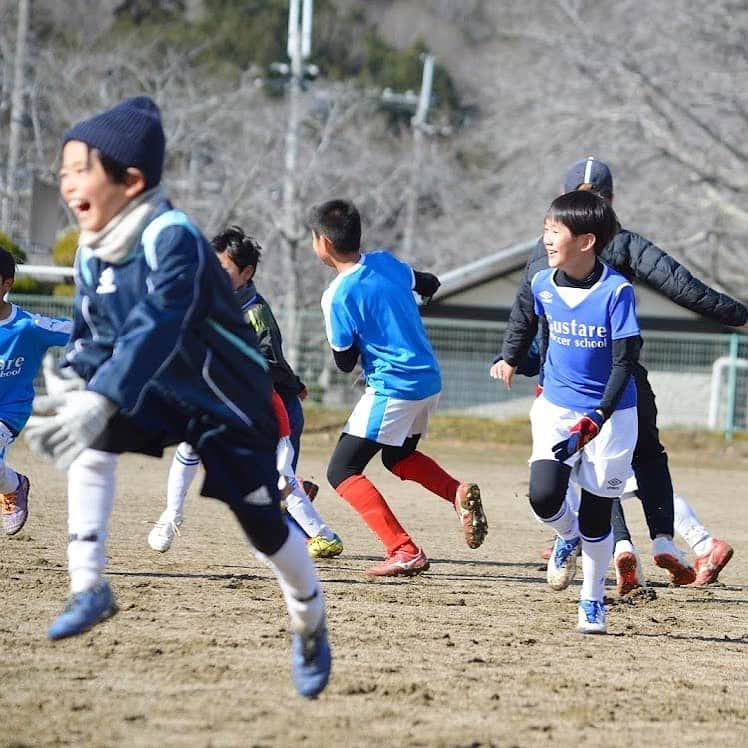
24 338
582 325
371 307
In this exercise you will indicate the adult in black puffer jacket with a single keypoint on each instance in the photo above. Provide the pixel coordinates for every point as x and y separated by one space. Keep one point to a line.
639 260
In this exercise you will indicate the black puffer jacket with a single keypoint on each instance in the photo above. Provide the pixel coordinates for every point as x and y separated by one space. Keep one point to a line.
639 260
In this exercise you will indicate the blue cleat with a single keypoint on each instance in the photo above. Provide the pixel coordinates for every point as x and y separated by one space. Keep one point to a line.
591 617
310 662
562 564
84 610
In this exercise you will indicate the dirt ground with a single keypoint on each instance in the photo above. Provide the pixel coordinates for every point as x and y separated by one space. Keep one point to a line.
477 652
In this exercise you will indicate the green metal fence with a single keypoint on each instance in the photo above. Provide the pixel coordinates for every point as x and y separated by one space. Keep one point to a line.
691 388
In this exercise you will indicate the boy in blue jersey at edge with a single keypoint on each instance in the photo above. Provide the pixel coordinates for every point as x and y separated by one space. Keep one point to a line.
584 422
370 311
24 338
160 354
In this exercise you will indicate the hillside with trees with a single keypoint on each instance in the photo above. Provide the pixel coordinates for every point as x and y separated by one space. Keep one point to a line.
655 88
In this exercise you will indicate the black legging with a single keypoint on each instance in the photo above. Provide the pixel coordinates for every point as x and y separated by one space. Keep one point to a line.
650 462
352 454
549 480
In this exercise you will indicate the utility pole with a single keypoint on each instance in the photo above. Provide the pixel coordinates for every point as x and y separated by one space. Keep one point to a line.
10 194
419 126
299 49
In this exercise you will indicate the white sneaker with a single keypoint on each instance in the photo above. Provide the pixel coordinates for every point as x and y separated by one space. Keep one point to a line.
160 537
629 573
562 565
668 557
591 617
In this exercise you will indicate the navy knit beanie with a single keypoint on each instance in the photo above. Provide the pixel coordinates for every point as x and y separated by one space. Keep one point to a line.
130 133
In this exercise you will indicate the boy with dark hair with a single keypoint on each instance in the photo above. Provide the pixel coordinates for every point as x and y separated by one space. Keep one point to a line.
24 338
637 259
370 312
584 420
161 355
239 256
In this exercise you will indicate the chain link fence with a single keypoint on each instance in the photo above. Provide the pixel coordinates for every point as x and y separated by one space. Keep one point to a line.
700 380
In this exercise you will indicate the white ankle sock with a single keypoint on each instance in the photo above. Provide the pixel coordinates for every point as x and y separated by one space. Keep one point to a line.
688 526
623 546
8 478
303 511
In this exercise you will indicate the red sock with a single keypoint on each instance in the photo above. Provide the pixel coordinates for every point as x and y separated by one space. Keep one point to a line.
363 496
422 469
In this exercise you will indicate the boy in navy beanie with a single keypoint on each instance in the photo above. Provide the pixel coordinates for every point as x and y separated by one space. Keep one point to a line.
160 354
129 133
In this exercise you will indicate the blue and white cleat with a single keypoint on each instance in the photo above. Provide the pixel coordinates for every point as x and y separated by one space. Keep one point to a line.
311 661
562 565
591 617
84 610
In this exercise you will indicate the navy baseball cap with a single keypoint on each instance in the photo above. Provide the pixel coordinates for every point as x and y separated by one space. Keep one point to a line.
589 171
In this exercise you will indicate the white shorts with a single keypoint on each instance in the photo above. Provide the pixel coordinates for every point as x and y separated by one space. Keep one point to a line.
630 489
604 465
388 420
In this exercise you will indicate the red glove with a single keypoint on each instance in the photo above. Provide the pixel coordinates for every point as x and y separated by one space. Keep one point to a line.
538 390
581 433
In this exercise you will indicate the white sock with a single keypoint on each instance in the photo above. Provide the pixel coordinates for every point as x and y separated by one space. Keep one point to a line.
303 511
564 523
91 486
299 583
8 479
182 472
687 525
623 546
596 553
572 498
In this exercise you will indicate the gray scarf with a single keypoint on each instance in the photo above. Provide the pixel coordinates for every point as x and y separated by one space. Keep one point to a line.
116 240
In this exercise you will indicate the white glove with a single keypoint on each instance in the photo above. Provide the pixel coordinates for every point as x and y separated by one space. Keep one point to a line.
284 454
80 418
57 381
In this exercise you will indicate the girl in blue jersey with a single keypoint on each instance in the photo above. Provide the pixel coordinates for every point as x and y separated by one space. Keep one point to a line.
584 423
24 338
162 355
370 312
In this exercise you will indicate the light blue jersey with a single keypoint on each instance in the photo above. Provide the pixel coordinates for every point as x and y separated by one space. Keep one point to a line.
24 338
582 325
372 307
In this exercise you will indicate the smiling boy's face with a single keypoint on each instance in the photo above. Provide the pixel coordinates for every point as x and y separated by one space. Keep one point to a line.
89 192
564 249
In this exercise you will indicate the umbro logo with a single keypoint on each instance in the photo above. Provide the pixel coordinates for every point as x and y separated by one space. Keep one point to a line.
614 483
106 282
546 297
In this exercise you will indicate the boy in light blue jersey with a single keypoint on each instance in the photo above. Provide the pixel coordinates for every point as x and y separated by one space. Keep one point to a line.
24 338
370 311
588 394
